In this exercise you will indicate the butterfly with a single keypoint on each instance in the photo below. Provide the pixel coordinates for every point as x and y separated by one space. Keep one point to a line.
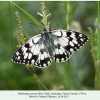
56 44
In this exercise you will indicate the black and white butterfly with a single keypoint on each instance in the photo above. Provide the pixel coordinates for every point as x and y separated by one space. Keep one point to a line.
42 48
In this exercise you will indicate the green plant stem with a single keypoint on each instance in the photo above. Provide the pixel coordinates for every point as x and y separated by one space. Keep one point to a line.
14 70
56 72
96 76
68 12
96 57
97 48
69 75
35 77
67 19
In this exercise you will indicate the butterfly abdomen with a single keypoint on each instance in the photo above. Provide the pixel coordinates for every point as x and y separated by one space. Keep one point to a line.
48 42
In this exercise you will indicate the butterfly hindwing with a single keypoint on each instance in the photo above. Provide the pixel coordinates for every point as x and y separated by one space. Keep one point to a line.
44 59
66 43
60 53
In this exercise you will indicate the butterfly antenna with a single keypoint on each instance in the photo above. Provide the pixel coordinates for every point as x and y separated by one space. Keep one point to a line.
35 24
51 18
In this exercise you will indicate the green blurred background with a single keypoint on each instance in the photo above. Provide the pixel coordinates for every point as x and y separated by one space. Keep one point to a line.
17 77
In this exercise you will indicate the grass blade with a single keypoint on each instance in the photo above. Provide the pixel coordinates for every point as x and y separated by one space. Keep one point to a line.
30 16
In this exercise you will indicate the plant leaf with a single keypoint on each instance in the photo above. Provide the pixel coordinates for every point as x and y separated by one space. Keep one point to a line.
30 16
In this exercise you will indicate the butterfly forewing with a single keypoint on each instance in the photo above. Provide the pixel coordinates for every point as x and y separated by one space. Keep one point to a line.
67 42
28 52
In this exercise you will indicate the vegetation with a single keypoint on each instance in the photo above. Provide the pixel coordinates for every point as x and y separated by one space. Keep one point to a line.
80 72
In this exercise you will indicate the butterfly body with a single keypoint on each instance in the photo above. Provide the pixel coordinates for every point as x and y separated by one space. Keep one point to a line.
57 44
47 39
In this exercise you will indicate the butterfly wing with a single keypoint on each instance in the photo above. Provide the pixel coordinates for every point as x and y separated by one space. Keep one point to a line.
32 52
44 58
35 52
66 43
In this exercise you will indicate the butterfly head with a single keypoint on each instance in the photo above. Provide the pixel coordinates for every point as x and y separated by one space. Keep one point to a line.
45 29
